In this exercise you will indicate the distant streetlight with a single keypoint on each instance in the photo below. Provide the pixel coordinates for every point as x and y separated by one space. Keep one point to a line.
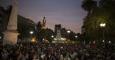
109 42
76 36
33 40
52 36
68 31
103 41
31 32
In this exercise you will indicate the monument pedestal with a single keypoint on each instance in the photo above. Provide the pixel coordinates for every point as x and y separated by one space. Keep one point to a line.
11 34
10 37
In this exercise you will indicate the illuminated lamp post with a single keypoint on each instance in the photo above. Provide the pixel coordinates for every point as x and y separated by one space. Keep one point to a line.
103 25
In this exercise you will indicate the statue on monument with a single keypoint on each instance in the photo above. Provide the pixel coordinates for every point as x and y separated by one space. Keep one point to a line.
44 22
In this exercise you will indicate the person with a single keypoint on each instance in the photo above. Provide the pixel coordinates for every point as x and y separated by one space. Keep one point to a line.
35 57
67 57
21 57
5 54
26 56
61 57
72 55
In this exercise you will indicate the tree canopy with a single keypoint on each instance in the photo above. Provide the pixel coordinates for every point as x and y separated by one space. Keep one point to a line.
103 12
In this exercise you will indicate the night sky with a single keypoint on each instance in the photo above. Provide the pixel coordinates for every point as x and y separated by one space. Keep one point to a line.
66 12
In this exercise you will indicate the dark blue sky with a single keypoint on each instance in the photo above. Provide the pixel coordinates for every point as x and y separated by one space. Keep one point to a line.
66 12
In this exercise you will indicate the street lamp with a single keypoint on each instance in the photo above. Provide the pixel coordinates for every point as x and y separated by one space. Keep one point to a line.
109 42
31 32
76 36
52 36
68 31
33 40
103 25
103 41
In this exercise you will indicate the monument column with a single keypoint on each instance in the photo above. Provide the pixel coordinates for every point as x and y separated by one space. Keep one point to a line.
10 35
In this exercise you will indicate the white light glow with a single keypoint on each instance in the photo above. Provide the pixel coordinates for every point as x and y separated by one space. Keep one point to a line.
76 36
103 41
31 32
109 41
52 36
102 24
68 31
33 40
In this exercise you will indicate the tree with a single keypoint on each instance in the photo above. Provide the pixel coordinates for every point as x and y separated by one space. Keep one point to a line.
24 27
104 13
89 5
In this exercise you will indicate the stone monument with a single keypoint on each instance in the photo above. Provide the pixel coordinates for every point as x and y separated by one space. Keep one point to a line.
10 35
58 36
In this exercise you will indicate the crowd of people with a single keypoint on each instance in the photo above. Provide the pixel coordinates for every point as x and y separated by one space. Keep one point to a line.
54 52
